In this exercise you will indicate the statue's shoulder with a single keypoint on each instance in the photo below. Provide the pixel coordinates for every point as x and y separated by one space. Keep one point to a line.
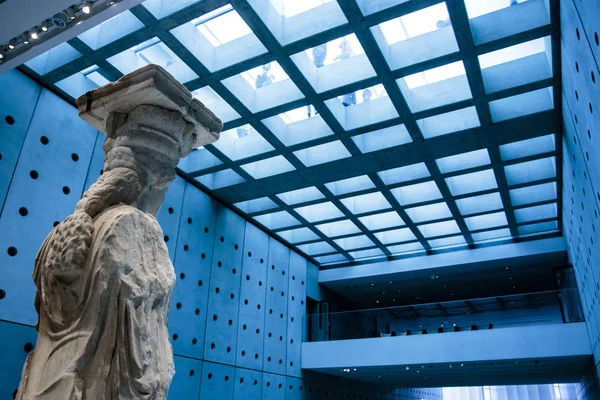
122 215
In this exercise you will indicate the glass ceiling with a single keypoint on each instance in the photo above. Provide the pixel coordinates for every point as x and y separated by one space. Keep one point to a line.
402 131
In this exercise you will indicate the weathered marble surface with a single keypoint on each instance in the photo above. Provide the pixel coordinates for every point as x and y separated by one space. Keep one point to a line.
103 275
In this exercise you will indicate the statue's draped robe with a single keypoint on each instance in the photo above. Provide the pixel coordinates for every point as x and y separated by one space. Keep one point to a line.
103 329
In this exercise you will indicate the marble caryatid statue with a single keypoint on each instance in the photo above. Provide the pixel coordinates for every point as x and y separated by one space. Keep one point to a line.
104 279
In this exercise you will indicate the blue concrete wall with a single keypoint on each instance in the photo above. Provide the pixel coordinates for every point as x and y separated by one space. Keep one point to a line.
580 30
237 311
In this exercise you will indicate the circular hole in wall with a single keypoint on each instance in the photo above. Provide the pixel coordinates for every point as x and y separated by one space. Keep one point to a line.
232 296
75 157
33 174
194 341
189 221
28 347
262 261
230 322
577 33
212 346
205 229
219 263
191 372
228 349
56 223
226 378
235 246
0 156
2 294
242 379
200 283
178 305
23 211
12 251
175 336
166 238
197 311
210 375
217 290
233 271
214 317
186 247
66 190
222 239
596 39
9 119
203 256
593 77
44 140
171 211
576 66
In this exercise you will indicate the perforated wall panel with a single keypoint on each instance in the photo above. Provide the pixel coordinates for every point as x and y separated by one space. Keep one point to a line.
186 382
17 341
217 381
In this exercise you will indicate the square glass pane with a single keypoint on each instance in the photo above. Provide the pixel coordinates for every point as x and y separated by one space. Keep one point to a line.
333 64
369 6
531 171
429 212
301 195
450 122
330 259
198 159
449 241
366 253
405 248
366 203
298 126
495 19
458 162
538 228
338 228
277 220
256 205
535 213
292 20
522 104
418 193
110 30
322 153
219 39
382 221
268 167
362 107
382 138
220 179
533 194
319 212
396 236
486 221
152 51
216 104
350 185
439 229
298 235
529 147
82 82
490 235
316 248
478 204
404 174
241 142
517 65
473 182
435 87
354 242
53 58
263 87
416 37
163 8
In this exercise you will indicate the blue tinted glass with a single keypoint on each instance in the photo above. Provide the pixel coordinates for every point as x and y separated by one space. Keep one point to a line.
477 204
429 212
277 220
366 203
531 171
350 185
256 205
395 236
354 242
473 182
338 228
417 193
404 174
301 195
382 221
268 167
319 212
471 159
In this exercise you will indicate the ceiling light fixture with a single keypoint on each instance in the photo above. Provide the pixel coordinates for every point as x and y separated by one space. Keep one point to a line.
45 25
61 19
87 7
33 34
70 13
12 44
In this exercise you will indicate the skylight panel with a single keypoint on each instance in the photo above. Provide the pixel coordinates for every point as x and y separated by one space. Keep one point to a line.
264 75
531 171
533 194
458 162
366 253
366 203
95 76
418 193
512 53
277 220
382 138
81 82
198 160
404 174
242 142
110 30
382 221
477 8
473 182
268 167
319 212
449 241
338 228
290 8
354 242
490 235
535 213
335 50
439 229
429 212
482 203
405 248
322 153
363 95
449 122
435 75
53 58
220 179
163 8
256 205
316 248
529 147
298 235
298 114
222 26
415 24
215 103
396 236
350 185
522 104
486 221
539 227
330 259
301 195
